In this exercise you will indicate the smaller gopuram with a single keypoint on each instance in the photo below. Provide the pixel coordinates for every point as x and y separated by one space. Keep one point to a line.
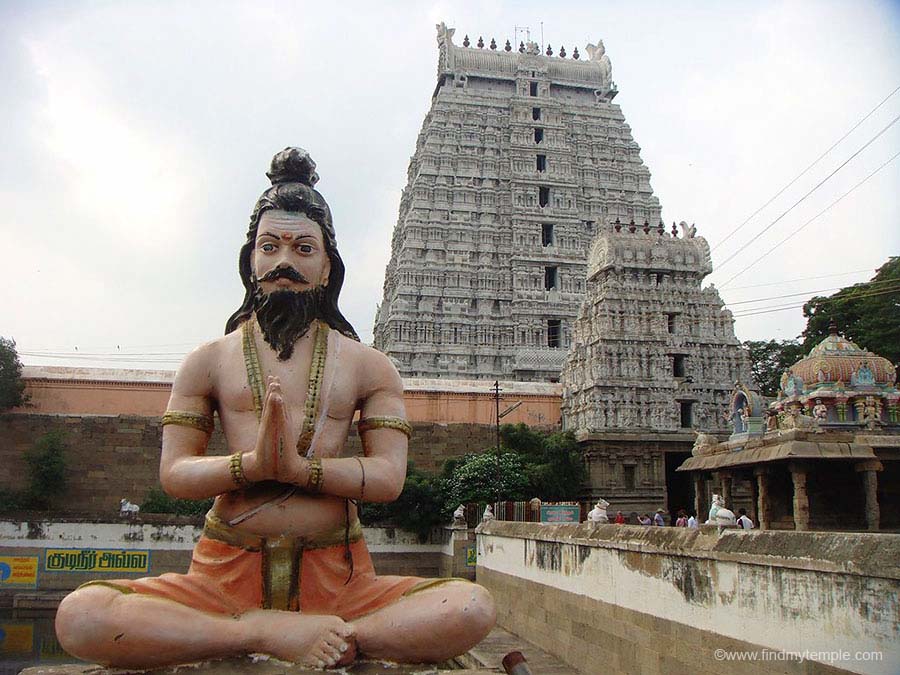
840 385
828 455
654 359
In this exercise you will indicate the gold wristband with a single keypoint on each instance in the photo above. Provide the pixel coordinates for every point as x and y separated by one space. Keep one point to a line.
397 423
314 482
235 465
182 418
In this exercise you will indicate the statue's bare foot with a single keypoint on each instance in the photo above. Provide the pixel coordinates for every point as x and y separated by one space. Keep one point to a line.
309 639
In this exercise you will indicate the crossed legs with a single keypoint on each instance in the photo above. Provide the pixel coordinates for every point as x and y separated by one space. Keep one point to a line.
100 624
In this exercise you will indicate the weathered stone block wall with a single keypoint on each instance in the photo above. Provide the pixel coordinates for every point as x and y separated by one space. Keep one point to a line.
111 457
663 600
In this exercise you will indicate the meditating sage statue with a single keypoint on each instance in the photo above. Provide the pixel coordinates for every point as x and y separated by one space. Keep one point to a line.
282 568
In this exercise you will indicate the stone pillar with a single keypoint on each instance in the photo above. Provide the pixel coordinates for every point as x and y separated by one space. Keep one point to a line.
754 500
801 499
726 479
762 496
699 495
869 474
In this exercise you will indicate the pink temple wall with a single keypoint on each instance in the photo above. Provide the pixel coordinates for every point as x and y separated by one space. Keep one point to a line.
140 393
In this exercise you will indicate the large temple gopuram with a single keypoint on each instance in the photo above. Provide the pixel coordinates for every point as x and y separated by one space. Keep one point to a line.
522 158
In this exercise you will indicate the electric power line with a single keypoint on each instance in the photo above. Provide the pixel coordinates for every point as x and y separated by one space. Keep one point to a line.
802 173
817 186
75 357
810 294
790 281
823 211
132 355
777 308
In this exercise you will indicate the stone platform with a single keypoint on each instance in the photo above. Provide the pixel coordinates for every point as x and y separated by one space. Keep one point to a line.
484 659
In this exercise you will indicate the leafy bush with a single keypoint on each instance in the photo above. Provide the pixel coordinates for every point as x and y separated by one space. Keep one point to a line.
158 501
46 462
46 472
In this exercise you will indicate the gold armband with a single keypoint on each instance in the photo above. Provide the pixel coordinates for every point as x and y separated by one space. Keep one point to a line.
314 482
235 465
397 423
197 421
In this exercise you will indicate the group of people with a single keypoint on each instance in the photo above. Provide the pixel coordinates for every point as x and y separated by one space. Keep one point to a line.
684 519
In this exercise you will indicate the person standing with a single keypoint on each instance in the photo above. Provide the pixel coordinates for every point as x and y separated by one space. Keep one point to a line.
743 521
658 518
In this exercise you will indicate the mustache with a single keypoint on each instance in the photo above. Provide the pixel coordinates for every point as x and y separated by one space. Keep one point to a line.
288 273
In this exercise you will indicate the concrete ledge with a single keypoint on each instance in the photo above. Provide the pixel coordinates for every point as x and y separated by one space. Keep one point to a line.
858 553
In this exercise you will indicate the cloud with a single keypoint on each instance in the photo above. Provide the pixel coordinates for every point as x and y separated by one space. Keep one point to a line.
128 178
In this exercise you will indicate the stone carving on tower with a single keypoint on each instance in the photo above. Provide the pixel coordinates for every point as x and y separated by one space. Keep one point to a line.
522 158
653 351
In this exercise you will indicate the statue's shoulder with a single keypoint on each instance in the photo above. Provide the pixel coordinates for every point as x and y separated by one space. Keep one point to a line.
207 357
364 355
372 369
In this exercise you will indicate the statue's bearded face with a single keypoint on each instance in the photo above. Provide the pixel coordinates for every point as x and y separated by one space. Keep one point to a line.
290 268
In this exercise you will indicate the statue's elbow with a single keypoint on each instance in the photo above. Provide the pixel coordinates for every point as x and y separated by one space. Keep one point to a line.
390 490
394 492
172 483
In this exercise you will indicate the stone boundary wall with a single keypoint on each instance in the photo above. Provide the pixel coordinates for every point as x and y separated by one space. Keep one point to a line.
115 457
170 544
664 600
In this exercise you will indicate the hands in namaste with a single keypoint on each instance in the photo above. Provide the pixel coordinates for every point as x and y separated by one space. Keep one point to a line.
275 455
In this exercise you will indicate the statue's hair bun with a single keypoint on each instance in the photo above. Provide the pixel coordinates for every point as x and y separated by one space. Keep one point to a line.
293 165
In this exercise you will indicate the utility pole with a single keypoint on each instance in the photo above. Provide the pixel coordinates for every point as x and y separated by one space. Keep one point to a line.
497 405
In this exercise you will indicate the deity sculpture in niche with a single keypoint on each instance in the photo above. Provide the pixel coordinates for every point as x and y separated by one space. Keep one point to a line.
282 567
820 411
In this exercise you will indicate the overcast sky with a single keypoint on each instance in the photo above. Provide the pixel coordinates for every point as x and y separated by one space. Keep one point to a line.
135 137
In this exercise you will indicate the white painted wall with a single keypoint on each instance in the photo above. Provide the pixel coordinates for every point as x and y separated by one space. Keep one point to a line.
777 607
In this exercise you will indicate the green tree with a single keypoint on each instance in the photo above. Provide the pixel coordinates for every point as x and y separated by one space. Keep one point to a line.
12 388
477 479
866 313
553 462
769 359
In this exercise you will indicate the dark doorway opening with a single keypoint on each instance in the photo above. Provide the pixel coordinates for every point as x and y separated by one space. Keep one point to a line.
679 486
687 418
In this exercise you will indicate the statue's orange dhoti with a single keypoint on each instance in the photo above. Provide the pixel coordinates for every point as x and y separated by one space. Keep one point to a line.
282 567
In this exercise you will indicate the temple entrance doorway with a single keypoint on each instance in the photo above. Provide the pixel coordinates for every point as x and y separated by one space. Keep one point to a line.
679 486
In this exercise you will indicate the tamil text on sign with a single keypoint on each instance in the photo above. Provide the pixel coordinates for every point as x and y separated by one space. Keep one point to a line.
96 560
